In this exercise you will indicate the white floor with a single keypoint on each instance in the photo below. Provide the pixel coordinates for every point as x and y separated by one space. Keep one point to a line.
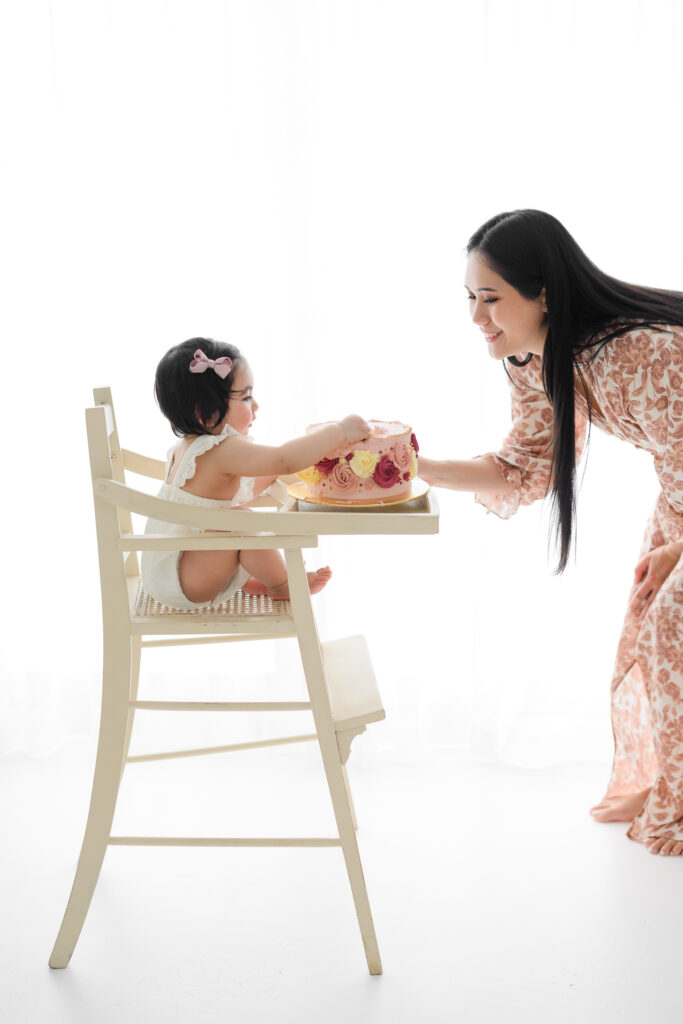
495 897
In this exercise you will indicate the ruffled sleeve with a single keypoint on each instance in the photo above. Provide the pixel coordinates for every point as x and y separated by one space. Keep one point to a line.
202 444
525 455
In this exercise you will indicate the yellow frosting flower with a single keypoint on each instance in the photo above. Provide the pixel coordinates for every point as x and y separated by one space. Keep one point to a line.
310 475
363 463
413 466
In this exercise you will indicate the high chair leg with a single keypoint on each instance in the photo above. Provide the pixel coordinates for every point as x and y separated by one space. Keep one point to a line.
314 671
350 798
113 726
136 652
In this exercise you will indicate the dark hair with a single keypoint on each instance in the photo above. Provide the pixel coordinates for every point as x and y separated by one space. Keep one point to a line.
532 250
190 401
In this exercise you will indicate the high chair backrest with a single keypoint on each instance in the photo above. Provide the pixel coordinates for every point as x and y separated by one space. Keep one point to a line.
102 397
106 463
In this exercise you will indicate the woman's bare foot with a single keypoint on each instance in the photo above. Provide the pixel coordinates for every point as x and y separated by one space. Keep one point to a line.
624 807
665 847
316 582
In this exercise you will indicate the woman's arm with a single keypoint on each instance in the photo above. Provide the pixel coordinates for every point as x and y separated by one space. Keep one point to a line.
480 475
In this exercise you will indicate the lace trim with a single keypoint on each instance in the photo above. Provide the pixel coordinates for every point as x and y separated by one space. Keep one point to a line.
188 464
188 467
245 491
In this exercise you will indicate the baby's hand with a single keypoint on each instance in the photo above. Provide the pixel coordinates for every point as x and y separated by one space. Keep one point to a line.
355 428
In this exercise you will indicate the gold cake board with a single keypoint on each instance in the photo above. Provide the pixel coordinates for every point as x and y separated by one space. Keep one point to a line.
418 489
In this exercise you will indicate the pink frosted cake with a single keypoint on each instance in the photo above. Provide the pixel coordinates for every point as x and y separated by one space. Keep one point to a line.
378 470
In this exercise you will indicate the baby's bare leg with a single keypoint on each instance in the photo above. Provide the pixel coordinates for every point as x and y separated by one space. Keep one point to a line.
270 574
203 574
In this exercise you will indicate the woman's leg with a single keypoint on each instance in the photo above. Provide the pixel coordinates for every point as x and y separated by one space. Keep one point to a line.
660 657
635 762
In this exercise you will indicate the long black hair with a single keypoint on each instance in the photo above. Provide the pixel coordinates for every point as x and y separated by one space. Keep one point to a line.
191 401
587 308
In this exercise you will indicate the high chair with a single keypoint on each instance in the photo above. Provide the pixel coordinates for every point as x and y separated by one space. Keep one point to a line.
343 694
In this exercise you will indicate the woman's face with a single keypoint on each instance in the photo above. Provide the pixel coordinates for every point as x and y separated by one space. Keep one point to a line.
511 324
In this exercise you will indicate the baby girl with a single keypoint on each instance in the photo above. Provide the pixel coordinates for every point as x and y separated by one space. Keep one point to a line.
205 390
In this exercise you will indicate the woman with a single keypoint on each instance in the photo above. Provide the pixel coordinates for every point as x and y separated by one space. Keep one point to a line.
581 347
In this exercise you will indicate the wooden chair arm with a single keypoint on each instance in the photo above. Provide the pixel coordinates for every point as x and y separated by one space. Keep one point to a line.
247 521
241 521
213 541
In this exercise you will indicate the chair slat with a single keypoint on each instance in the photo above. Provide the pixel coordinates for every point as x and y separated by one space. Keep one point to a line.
143 465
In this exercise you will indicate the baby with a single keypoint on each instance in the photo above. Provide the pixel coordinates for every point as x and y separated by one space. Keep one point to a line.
205 390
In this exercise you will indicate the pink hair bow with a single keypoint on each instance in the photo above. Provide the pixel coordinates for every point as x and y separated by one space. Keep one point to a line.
201 362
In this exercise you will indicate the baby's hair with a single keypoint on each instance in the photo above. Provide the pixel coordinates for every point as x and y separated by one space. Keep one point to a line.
190 401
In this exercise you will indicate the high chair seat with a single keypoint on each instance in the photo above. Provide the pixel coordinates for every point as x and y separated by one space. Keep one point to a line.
145 610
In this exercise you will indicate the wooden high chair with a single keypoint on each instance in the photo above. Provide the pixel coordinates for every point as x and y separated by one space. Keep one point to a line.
343 694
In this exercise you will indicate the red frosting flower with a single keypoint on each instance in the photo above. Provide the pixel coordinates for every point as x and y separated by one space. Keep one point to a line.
386 473
413 441
326 465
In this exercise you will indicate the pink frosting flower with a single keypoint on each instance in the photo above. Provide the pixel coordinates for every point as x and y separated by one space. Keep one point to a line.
402 454
413 441
326 465
386 473
343 477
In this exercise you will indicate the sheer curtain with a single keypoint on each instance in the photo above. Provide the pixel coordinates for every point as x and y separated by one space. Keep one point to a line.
301 178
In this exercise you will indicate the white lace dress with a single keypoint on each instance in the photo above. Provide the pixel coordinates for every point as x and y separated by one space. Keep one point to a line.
159 569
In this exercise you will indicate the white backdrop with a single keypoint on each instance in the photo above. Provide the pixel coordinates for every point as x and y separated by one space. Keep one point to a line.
300 178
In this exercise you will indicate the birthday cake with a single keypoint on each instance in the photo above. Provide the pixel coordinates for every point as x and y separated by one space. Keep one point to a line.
378 470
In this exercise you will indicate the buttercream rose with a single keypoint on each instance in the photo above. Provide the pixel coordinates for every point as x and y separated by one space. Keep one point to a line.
386 473
402 455
363 463
413 441
309 476
326 465
343 478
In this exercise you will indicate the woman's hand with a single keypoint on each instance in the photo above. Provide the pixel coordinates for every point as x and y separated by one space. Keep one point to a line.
650 573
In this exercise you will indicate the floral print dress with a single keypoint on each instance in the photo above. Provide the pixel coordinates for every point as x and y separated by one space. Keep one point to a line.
636 382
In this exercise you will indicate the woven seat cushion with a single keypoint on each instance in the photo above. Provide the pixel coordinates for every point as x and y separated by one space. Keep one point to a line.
240 605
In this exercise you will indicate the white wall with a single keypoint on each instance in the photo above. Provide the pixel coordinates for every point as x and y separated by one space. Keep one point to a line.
301 178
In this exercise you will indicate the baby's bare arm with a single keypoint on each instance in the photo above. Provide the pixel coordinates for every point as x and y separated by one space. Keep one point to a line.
240 457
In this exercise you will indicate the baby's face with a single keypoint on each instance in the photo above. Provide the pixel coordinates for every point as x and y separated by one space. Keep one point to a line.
243 406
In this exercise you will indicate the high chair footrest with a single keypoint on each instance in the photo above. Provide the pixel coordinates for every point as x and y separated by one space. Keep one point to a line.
354 696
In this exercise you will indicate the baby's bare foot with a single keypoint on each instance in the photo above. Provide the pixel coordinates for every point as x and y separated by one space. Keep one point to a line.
319 579
316 582
665 847
254 587
624 807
